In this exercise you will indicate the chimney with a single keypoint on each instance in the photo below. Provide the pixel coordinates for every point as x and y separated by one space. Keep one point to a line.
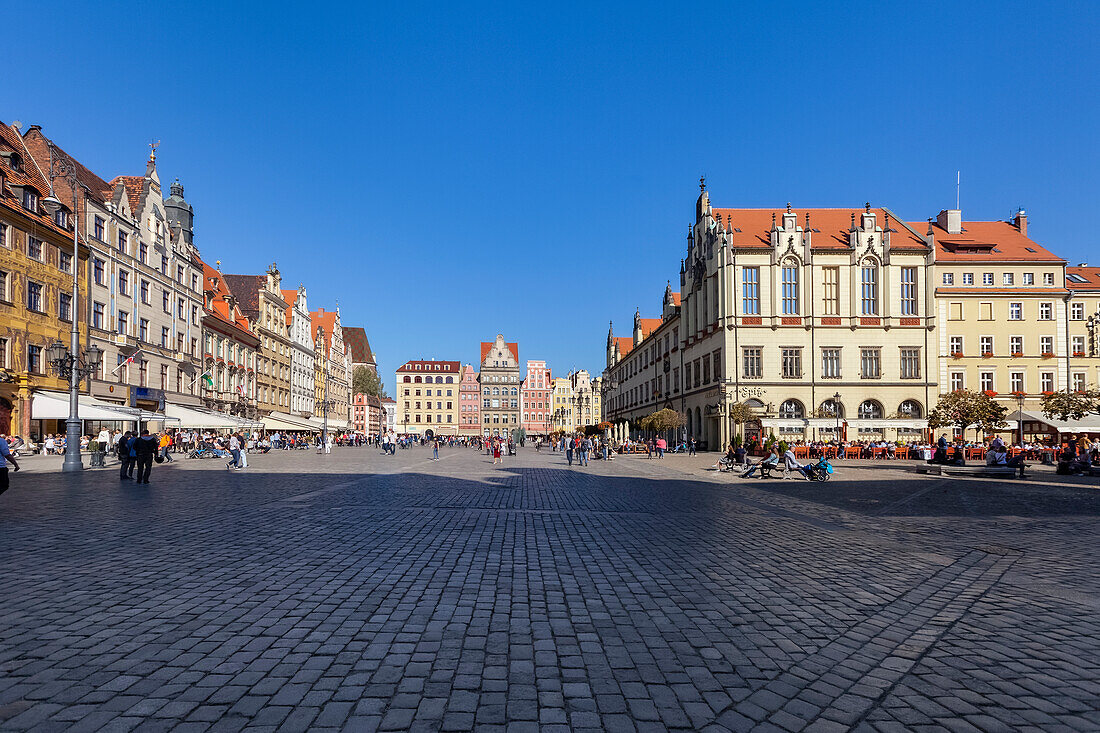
1021 221
950 220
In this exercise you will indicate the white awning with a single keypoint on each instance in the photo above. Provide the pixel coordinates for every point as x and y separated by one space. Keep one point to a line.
55 406
783 423
283 421
193 417
1087 424
888 422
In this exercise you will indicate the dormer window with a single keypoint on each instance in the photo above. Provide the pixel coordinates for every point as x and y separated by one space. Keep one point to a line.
61 218
30 199
15 161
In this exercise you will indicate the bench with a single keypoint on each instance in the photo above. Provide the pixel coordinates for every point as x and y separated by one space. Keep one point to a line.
985 471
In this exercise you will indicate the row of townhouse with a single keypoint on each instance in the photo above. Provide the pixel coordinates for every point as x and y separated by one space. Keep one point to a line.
494 398
853 320
178 338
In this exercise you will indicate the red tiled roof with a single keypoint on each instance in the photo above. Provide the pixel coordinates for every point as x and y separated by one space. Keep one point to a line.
38 145
234 318
676 298
625 343
247 289
752 227
988 241
355 339
291 297
487 345
1090 274
430 366
649 325
135 189
10 140
327 319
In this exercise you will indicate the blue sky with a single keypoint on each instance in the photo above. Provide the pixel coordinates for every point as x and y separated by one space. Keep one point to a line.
450 171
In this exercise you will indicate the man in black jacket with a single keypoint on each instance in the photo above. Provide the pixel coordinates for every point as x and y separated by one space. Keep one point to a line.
145 448
122 448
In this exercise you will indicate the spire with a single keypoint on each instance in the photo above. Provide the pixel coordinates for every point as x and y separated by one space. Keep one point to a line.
151 166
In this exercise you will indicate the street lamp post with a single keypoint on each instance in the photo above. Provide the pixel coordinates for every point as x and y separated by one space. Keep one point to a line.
71 362
1020 417
836 412
326 405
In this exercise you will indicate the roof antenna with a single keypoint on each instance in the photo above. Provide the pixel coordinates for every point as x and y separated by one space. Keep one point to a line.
958 182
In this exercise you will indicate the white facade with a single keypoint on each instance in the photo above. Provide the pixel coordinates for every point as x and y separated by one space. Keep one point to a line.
302 367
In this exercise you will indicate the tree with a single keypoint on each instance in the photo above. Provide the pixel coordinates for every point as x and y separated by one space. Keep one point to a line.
963 409
366 381
1067 405
740 413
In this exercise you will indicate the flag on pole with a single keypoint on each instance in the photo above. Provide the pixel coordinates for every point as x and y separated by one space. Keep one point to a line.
129 360
240 390
207 379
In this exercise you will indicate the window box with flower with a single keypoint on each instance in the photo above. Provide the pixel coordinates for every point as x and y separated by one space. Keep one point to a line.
957 355
1078 353
989 392
1048 355
1017 354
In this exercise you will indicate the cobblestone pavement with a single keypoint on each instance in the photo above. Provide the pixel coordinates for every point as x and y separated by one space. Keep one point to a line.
365 592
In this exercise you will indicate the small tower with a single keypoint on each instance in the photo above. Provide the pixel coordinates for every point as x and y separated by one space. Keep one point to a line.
610 344
637 327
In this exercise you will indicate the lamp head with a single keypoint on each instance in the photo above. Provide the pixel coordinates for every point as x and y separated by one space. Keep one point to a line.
51 204
94 354
56 351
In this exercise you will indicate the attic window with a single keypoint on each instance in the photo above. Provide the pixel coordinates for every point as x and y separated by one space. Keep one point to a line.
1029 249
1075 278
30 199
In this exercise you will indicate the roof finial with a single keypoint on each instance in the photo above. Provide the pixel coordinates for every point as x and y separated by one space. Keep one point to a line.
788 207
853 220
868 207
773 220
702 183
807 221
153 145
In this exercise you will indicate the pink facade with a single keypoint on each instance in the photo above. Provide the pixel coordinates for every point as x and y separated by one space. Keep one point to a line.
469 403
537 389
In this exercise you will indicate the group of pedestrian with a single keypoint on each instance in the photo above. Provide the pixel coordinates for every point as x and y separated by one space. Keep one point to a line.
136 451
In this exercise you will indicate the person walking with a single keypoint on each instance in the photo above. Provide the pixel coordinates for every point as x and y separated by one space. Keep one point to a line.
586 448
496 453
5 458
569 452
125 456
691 447
244 450
165 444
144 448
435 449
235 451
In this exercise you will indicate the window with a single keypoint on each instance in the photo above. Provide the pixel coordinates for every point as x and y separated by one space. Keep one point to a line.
790 290
870 363
910 363
164 336
1007 278
34 248
34 296
143 373
792 363
1015 311
909 291
97 228
954 311
968 278
1016 345
1046 344
145 291
3 353
750 291
180 312
3 286
1078 382
985 311
97 271
869 291
65 307
143 329
948 278
1016 379
830 363
751 359
986 381
1029 278
166 302
30 199
64 261
958 381
1046 311
123 282
1048 278
34 359
143 253
791 410
163 264
97 315
61 218
1046 381
123 322
870 410
706 370
831 278
1077 311
985 345
1078 345
987 278
123 242
179 274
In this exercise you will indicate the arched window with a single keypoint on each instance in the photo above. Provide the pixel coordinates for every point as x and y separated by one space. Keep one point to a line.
514 392
791 410
450 380
407 379
831 408
869 288
496 390
754 403
790 288
910 408
870 410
